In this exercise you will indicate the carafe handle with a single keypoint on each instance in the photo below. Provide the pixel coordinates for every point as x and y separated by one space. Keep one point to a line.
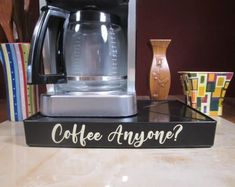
34 63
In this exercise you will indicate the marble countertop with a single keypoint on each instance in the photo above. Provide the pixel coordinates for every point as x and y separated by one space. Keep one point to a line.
21 165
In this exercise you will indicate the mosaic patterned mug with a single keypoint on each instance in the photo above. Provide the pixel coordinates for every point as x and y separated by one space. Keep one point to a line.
21 98
205 91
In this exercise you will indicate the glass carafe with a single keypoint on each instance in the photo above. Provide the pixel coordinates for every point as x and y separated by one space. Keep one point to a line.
94 53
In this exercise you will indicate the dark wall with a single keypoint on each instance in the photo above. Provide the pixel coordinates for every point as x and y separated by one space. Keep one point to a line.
2 85
31 18
202 33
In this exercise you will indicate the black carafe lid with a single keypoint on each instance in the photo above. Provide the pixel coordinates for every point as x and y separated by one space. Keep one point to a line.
92 15
80 4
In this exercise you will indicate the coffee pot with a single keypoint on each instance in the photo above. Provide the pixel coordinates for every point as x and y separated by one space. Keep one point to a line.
88 63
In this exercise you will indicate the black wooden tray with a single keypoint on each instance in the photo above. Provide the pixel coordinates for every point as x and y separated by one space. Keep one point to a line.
164 124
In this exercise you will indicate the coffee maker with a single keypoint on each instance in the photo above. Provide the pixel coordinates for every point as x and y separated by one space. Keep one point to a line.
84 51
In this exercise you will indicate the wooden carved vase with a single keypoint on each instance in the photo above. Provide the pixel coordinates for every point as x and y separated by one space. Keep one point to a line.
160 78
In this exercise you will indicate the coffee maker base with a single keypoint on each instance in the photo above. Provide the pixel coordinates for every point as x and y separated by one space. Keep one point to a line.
89 105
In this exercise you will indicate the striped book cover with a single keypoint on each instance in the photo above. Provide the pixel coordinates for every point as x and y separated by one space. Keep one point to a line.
22 99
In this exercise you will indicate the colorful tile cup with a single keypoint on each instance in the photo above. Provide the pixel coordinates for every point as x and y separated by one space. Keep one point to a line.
205 91
21 98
